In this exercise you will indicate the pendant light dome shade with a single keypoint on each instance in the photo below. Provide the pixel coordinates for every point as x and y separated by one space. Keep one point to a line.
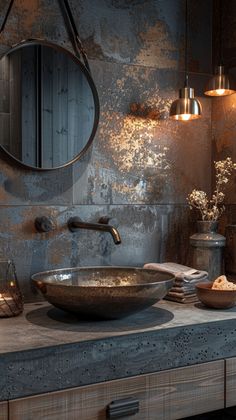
219 84
186 107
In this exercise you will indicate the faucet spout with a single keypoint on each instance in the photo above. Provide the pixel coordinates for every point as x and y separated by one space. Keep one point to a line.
114 233
75 223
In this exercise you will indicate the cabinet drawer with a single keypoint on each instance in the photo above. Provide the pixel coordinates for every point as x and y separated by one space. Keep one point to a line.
168 395
3 410
230 382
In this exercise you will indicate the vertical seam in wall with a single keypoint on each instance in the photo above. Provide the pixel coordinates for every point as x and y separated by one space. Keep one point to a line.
225 365
212 51
73 191
212 145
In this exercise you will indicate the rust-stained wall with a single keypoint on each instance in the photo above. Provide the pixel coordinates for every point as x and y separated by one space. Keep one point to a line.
142 165
224 109
223 120
224 136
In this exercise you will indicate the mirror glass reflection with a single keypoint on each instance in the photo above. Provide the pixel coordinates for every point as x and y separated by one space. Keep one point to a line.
47 106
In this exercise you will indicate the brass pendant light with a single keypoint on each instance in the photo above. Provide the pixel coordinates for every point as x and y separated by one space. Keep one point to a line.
219 84
186 107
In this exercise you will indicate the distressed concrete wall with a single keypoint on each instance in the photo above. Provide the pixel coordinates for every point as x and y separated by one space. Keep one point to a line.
142 165
224 135
224 109
224 117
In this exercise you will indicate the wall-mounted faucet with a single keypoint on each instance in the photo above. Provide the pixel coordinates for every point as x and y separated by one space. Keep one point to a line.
75 223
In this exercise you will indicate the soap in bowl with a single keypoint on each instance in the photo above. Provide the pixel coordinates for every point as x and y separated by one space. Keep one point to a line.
213 298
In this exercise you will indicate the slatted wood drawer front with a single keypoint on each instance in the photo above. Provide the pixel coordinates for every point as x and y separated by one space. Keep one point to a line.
3 410
167 395
230 382
191 390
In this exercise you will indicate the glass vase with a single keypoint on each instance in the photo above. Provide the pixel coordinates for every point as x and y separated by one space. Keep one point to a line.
11 301
207 249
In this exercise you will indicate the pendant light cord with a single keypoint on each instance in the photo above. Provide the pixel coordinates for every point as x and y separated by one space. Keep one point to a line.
220 32
186 43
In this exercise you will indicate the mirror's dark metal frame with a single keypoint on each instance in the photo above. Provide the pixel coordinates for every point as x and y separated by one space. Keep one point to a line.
32 42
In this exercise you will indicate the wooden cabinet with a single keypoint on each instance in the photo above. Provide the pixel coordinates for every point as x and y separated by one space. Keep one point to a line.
3 410
230 382
168 395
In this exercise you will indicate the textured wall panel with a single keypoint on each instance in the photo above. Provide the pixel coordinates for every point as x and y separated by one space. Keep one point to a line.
224 117
224 134
141 156
144 32
23 186
148 233
142 165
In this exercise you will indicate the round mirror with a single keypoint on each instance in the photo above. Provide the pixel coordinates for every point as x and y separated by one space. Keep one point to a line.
49 106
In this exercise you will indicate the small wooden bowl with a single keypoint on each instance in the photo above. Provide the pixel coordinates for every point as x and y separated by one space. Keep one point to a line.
219 299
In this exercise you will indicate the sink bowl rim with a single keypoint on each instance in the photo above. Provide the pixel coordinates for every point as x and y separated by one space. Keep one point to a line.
36 276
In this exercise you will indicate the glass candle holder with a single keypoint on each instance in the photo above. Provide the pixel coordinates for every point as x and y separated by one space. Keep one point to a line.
11 301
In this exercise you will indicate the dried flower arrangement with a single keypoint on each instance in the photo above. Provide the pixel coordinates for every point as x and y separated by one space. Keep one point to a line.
212 209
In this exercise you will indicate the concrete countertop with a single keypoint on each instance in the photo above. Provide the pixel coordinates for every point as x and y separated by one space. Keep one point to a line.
45 349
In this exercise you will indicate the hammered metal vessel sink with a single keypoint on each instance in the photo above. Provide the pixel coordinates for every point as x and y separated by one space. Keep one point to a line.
103 292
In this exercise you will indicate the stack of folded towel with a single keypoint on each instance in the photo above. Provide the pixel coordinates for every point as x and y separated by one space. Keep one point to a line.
183 290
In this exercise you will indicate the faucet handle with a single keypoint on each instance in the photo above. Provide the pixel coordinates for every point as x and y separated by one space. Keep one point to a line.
44 224
104 220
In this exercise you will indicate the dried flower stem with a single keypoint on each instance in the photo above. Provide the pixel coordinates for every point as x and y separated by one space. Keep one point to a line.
212 209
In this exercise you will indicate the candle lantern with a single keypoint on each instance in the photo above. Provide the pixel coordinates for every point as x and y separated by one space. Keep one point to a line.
11 301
